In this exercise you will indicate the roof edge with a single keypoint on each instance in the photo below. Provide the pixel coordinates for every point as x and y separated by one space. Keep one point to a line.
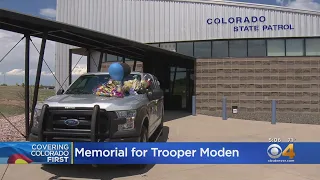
82 32
253 5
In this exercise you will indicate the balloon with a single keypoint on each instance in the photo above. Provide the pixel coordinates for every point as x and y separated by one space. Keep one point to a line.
126 69
116 71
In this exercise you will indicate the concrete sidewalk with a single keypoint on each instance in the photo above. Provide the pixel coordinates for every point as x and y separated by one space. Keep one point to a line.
193 128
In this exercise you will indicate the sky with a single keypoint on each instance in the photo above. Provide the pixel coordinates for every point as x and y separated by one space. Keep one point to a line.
12 67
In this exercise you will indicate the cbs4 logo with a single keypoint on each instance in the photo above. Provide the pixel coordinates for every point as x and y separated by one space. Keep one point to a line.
275 151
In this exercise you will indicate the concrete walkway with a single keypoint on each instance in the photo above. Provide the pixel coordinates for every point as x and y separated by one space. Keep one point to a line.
192 128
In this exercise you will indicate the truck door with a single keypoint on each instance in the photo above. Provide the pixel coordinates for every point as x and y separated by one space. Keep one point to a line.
152 104
158 95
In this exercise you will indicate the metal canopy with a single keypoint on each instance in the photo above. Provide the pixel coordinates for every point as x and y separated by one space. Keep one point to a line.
82 37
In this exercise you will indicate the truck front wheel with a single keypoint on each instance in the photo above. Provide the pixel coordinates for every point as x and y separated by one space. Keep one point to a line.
162 121
143 139
144 134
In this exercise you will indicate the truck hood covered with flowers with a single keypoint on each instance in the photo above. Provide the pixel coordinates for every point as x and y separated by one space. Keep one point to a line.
121 89
89 100
109 94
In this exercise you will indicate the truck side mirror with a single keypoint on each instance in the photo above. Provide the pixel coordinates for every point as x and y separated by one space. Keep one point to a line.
60 91
150 95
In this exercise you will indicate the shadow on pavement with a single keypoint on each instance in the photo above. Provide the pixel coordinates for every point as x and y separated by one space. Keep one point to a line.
173 115
103 172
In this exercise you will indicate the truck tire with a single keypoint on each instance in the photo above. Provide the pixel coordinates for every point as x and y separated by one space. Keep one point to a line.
162 121
144 134
143 139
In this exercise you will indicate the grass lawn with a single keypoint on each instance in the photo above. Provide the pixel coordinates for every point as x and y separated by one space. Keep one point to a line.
45 93
12 99
11 110
17 93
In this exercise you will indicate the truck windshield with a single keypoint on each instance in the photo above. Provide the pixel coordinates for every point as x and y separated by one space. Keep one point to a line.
86 84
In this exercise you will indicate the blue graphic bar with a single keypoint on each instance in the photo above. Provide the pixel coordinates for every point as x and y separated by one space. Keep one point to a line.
159 153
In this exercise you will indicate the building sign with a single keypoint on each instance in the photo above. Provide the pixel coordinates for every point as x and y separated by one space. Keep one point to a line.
249 24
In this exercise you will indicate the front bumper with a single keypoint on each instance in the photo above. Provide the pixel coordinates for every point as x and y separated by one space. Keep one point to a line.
34 138
95 125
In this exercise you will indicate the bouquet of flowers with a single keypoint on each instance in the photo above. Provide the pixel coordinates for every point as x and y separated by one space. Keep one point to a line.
115 89
110 89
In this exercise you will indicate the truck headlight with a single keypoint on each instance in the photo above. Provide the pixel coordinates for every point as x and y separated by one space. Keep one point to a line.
36 116
129 116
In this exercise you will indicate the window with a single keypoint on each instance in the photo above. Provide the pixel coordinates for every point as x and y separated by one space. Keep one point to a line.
202 49
185 48
120 58
83 85
257 48
110 57
155 45
313 47
294 47
238 48
169 46
220 49
127 59
105 57
173 69
276 47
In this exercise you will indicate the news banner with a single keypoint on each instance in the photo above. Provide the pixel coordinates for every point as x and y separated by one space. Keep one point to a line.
159 153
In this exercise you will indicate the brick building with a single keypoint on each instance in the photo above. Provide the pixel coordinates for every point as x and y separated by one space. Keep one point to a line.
249 53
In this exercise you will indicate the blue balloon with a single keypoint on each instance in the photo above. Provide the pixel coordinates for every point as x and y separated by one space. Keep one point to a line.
116 71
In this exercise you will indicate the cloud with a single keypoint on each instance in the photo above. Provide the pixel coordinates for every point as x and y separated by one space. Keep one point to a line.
48 12
20 72
78 70
300 4
15 72
44 73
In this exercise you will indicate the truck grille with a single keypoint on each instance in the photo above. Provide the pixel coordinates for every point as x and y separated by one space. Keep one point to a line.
59 122
92 126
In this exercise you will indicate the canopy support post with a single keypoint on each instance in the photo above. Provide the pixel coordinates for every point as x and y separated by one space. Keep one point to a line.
100 61
70 66
134 65
26 86
88 61
38 75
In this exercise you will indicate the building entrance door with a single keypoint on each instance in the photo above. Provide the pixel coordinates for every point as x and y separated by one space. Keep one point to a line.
190 88
181 89
176 82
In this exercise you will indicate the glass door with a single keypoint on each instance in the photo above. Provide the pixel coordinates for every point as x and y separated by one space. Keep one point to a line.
178 88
